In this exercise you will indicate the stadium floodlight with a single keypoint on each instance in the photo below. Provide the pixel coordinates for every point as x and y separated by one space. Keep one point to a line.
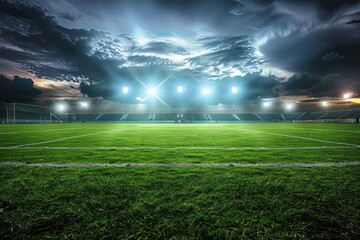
206 91
125 90
180 89
61 107
289 106
84 104
152 91
267 104
324 103
347 95
234 89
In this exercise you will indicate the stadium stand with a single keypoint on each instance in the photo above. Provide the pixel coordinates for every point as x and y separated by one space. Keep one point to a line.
349 114
271 117
247 117
291 116
165 116
111 117
27 113
85 117
138 117
194 117
222 117
312 115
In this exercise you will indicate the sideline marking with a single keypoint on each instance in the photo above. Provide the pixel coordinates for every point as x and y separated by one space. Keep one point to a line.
49 130
61 139
181 164
326 130
183 148
298 137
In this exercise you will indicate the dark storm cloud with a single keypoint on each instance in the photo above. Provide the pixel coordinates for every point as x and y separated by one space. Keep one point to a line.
49 50
354 21
162 47
223 50
331 85
18 89
201 40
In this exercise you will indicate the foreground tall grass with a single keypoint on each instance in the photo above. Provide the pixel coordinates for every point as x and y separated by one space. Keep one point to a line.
175 203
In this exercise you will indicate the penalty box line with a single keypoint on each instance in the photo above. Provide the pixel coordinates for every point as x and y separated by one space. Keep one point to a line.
37 131
65 138
297 137
180 165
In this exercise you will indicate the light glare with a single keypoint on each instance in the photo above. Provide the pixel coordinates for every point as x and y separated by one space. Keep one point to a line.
289 106
267 104
324 103
152 91
180 89
234 89
347 95
84 104
206 91
125 90
61 107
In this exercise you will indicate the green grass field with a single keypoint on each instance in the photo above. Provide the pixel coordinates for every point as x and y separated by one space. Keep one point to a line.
192 202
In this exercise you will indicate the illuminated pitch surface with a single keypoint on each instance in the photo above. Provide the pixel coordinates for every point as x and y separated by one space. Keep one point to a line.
177 202
170 143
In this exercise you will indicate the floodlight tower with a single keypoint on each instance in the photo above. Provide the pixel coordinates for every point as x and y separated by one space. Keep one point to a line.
289 106
125 91
206 92
152 93
346 97
61 108
180 90
84 104
267 104
234 91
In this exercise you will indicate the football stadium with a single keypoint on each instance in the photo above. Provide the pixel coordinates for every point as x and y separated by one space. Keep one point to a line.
179 119
179 175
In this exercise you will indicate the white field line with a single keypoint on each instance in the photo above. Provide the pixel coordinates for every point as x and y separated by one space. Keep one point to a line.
326 130
65 138
33 131
182 148
298 137
181 164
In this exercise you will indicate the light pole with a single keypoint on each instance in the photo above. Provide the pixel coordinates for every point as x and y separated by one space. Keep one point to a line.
289 106
206 92
84 105
14 112
7 113
234 91
152 92
125 91
346 97
180 90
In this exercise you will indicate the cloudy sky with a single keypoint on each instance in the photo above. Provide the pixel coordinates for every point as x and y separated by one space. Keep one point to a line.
301 49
